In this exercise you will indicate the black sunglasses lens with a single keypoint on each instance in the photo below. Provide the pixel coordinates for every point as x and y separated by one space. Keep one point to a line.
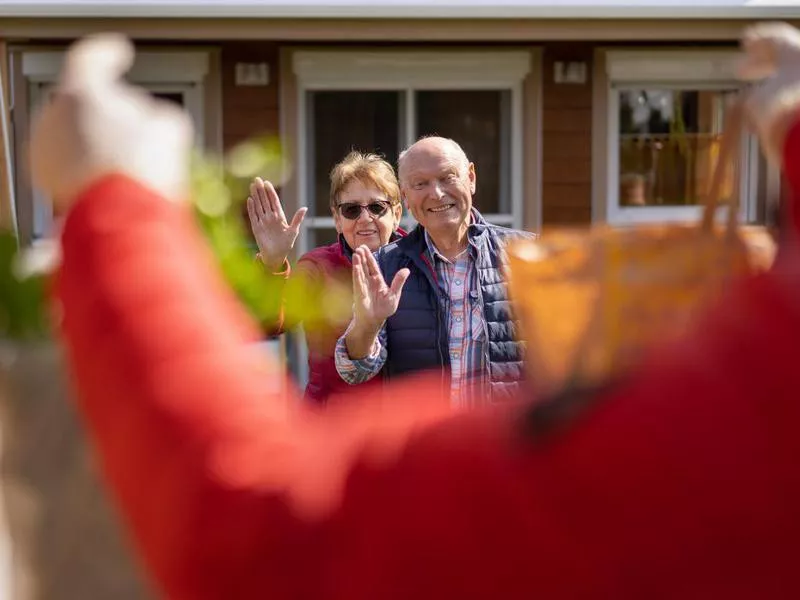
350 211
377 208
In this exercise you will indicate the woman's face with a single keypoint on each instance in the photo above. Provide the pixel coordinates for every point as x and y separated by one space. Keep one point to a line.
366 228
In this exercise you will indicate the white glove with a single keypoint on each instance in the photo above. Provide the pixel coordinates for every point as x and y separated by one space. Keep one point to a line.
96 124
772 58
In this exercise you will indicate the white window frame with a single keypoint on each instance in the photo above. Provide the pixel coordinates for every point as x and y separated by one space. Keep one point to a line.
157 71
665 69
409 71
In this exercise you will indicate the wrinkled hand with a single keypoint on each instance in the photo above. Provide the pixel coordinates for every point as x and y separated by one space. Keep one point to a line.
772 58
274 236
373 300
95 124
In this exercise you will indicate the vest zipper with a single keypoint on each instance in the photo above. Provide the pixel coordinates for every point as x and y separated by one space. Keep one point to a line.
487 375
439 293
445 388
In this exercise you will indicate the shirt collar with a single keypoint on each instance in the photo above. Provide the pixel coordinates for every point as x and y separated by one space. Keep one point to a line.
433 251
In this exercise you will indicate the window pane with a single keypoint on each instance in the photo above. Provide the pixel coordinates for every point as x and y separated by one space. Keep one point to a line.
479 120
343 121
174 97
668 145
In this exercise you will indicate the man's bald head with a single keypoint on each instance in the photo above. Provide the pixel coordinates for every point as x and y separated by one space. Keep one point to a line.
437 182
433 146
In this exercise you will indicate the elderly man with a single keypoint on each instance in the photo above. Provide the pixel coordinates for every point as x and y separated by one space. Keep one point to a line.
454 313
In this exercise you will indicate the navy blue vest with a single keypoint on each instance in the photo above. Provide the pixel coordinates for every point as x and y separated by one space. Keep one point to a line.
417 335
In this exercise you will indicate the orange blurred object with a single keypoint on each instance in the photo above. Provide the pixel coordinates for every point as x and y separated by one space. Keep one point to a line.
592 301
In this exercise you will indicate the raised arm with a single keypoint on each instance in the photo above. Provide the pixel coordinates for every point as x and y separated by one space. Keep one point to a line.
196 430
682 479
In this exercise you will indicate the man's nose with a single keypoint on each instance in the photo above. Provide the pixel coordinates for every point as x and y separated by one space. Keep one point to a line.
437 191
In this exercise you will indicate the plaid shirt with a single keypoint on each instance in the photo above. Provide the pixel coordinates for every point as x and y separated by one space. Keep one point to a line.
467 332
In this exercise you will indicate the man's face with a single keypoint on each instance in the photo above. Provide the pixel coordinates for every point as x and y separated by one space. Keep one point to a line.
437 185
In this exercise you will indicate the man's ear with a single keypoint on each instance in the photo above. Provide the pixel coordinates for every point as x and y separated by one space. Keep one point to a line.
473 179
398 212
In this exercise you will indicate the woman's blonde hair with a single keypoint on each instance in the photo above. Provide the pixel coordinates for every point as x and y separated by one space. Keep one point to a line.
369 169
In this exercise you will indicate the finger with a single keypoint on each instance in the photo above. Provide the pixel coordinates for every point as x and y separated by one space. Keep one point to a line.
372 278
399 281
773 33
169 117
251 211
298 217
362 257
371 263
274 201
366 264
757 62
97 61
263 201
172 125
254 197
359 281
759 97
357 266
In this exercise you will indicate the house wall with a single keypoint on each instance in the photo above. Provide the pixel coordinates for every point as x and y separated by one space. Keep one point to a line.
566 139
248 110
566 117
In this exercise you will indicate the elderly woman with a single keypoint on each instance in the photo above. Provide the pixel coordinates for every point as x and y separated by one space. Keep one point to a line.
366 208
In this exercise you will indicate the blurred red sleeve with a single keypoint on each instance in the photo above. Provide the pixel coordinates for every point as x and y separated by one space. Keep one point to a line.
202 439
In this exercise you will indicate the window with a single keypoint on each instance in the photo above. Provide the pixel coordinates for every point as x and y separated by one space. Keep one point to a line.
339 122
666 111
178 77
383 101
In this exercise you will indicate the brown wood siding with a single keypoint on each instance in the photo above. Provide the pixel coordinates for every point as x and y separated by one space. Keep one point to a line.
566 140
248 111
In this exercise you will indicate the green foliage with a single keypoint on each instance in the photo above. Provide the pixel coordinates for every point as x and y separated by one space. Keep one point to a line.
219 194
219 191
23 314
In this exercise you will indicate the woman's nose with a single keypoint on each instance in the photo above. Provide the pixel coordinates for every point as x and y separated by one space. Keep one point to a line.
364 216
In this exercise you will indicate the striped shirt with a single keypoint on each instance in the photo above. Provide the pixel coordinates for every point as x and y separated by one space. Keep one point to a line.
467 332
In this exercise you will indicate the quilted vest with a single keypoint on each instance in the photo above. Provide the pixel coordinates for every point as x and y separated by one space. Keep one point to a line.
417 334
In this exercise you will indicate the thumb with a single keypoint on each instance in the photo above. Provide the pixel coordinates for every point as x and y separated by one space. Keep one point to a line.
400 280
97 61
298 217
754 68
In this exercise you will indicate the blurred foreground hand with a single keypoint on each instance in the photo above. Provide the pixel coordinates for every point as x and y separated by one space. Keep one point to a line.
772 60
96 124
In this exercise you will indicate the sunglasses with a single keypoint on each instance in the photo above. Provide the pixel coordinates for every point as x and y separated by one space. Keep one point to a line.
352 210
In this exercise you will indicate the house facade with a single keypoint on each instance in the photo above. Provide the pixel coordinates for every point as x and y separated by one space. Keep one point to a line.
574 112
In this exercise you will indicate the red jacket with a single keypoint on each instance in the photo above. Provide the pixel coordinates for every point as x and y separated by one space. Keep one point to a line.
328 265
681 482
